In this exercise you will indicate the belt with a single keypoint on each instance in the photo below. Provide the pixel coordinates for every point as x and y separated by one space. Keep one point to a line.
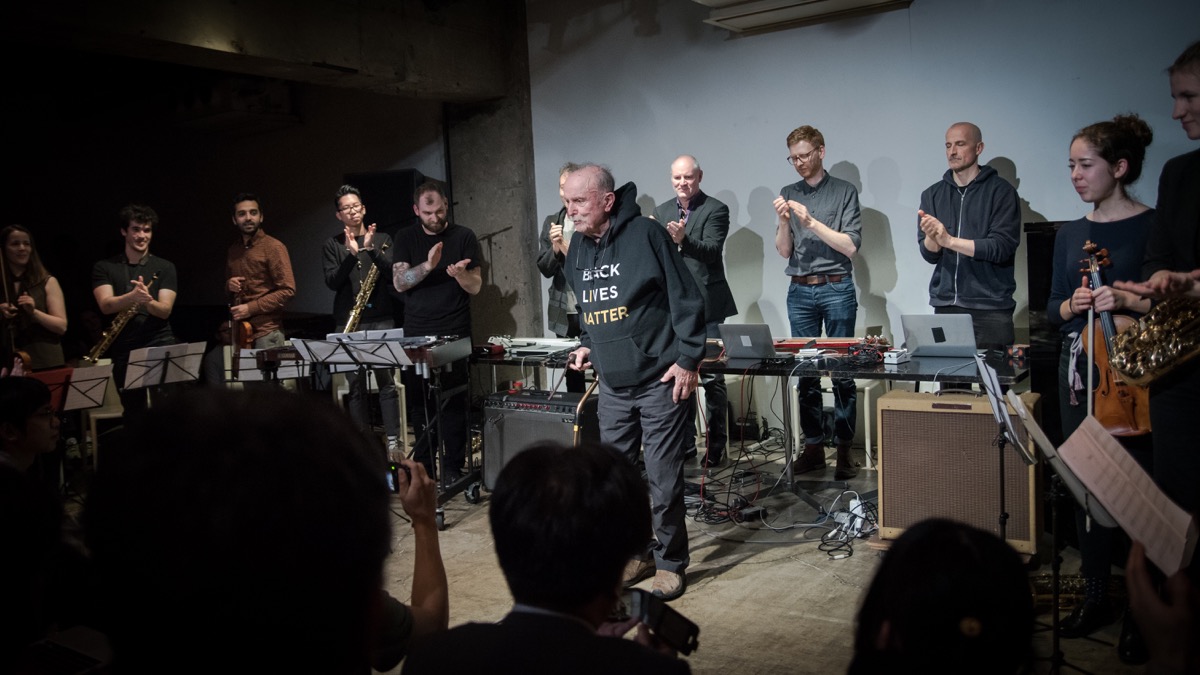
817 279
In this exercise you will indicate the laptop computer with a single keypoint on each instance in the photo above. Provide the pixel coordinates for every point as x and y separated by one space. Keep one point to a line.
747 344
944 335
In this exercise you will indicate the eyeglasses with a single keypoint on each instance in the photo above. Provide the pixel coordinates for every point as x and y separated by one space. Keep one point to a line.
350 207
805 158
45 412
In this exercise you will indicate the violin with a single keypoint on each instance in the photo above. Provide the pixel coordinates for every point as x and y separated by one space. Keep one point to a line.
241 336
1122 408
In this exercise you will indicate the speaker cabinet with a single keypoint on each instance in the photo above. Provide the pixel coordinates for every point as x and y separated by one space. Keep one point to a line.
514 421
938 458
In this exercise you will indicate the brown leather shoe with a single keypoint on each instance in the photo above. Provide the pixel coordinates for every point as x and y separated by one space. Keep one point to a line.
812 459
846 468
668 585
636 570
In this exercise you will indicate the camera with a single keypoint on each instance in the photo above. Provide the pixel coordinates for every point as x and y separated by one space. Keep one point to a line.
393 477
672 628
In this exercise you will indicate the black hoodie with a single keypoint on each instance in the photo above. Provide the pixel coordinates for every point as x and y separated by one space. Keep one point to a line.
639 307
987 211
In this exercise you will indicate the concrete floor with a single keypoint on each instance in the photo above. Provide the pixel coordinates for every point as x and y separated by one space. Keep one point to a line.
766 596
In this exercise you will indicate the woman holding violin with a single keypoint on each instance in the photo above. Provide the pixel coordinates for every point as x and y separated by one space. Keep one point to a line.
32 307
1105 159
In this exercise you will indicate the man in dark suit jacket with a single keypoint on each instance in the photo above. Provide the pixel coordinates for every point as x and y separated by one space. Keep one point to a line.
699 224
565 522
562 317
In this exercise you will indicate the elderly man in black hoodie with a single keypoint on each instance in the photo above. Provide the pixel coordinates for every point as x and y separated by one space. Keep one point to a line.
642 321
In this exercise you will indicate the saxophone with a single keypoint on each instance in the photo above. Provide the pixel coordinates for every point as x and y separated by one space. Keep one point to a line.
115 329
1165 338
364 295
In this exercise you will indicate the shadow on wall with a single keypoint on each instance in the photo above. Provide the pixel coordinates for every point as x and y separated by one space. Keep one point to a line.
559 15
744 261
1008 171
646 205
875 265
491 306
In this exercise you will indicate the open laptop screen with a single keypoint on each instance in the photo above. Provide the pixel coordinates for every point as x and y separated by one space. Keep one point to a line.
747 341
939 335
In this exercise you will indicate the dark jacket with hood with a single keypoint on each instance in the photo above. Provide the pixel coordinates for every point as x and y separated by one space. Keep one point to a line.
639 307
987 211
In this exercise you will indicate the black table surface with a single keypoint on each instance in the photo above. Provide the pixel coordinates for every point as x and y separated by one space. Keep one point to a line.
926 369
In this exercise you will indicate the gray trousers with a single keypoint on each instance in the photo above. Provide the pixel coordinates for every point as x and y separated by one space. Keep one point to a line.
644 418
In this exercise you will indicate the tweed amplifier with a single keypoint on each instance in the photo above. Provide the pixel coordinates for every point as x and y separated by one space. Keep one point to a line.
512 421
938 458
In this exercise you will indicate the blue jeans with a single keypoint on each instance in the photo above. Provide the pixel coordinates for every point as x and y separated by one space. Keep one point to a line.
832 306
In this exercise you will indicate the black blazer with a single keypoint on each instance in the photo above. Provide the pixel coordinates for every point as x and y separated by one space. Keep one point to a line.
703 249
550 265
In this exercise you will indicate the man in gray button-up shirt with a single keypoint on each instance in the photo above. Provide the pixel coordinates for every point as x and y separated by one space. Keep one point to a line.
819 231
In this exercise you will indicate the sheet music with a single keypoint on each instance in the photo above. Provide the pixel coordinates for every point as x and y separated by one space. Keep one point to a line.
1130 495
386 334
181 361
88 386
347 353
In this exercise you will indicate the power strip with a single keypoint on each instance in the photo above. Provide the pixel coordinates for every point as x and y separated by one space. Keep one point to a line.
894 357
852 521
858 517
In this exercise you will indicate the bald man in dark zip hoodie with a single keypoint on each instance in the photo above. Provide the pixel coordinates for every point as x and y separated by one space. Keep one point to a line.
642 321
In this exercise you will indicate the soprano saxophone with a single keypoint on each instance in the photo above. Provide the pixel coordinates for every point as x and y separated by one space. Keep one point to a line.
364 295
115 329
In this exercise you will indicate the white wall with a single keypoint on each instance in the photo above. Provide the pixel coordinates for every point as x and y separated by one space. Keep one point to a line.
882 89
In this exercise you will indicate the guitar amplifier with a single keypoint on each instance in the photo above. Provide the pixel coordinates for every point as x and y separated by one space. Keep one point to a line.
514 421
938 458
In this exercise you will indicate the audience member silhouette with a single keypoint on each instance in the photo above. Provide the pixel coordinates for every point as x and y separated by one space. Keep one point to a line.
246 532
565 522
948 598
30 517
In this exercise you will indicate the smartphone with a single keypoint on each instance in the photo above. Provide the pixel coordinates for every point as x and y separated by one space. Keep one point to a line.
668 625
393 479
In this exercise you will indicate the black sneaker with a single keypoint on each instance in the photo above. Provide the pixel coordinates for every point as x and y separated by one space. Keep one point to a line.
1087 618
1131 648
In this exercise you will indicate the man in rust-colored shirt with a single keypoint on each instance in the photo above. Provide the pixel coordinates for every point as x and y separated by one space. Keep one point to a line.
259 274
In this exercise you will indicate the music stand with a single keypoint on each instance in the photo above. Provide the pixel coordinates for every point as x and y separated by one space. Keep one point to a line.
1063 476
375 352
351 351
250 370
153 366
1006 434
57 382
87 387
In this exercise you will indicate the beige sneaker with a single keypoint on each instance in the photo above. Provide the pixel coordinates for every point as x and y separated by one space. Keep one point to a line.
668 585
636 570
